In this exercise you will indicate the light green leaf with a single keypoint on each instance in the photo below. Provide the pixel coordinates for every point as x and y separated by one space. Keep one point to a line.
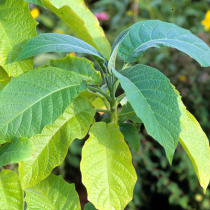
196 144
36 99
52 193
155 103
38 2
4 78
131 136
115 46
155 33
51 146
17 26
11 193
78 17
19 150
89 206
128 108
53 42
82 66
106 167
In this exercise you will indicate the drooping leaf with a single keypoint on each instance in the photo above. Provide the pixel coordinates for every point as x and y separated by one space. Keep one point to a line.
128 108
11 193
51 146
115 46
106 167
155 33
155 103
19 150
82 66
53 42
196 144
52 193
36 99
89 206
4 78
17 26
130 134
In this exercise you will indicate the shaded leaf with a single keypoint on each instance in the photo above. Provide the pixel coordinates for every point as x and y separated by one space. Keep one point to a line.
105 156
52 193
4 78
17 26
36 99
19 150
155 102
38 2
82 66
89 206
155 33
130 134
51 146
11 193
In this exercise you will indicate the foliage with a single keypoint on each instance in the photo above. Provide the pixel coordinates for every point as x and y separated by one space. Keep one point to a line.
49 107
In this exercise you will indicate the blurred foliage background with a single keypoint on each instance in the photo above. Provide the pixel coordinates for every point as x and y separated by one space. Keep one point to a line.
159 185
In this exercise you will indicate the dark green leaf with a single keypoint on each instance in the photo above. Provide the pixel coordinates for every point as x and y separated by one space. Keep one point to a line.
89 206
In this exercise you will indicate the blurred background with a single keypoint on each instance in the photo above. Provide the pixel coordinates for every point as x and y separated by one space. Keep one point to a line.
159 185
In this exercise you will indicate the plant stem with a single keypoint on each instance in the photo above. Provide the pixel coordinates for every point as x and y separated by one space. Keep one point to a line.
103 110
119 98
101 92
126 114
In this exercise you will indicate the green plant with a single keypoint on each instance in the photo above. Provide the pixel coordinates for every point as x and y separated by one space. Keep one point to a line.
43 110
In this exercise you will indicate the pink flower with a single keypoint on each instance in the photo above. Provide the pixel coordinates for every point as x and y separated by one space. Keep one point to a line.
102 16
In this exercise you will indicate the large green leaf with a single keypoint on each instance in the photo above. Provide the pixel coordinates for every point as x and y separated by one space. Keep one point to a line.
11 193
36 99
155 33
106 167
53 42
82 66
130 134
155 103
52 193
19 150
17 26
52 144
4 78
196 144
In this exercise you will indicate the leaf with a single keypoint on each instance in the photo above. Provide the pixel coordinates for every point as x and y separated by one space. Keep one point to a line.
196 145
131 136
89 206
4 78
19 150
53 42
115 46
74 14
106 167
36 99
11 193
82 66
155 33
17 26
52 193
155 102
128 108
38 2
51 146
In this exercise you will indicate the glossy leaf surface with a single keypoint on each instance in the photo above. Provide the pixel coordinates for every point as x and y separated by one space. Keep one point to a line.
11 193
17 26
82 66
52 193
130 134
19 150
36 99
155 103
155 33
51 146
106 166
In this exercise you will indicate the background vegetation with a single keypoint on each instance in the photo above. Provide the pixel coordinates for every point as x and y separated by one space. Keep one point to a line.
159 185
